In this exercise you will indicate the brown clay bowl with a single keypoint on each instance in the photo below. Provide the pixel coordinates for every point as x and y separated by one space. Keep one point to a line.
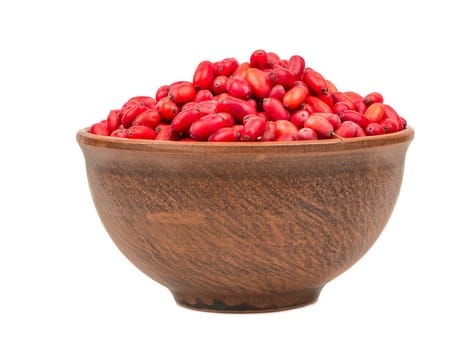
245 227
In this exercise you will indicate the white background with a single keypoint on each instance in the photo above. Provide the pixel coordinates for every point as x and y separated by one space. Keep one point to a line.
64 65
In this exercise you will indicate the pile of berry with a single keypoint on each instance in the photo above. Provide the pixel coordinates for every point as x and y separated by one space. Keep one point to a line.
263 99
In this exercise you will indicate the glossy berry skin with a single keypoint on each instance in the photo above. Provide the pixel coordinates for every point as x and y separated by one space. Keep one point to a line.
299 117
120 132
273 60
241 70
360 106
323 128
263 98
225 134
269 131
150 118
353 96
373 97
306 134
183 120
349 129
239 87
315 82
259 82
202 128
100 128
225 67
130 111
339 96
355 117
203 95
389 125
341 106
113 120
275 109
203 75
164 133
182 92
392 117
294 97
218 85
206 107
282 76
140 132
374 129
167 109
162 91
375 112
237 107
147 101
253 128
258 59
333 118
318 105
296 64
277 91
285 130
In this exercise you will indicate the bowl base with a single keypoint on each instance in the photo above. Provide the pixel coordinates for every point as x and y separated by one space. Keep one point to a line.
248 304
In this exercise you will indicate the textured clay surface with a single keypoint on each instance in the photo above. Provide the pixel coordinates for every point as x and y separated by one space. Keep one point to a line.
245 228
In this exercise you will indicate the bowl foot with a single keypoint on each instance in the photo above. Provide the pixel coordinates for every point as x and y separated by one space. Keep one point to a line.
248 303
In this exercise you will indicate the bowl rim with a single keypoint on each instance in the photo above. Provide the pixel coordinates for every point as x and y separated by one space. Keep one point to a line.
85 138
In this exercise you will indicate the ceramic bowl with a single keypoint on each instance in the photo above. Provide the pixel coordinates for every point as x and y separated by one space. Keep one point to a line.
245 227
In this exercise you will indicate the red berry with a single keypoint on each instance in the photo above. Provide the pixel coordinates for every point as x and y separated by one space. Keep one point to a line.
306 134
374 129
320 125
253 128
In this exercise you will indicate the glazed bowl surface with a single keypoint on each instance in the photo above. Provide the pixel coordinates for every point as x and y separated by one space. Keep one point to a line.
245 226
